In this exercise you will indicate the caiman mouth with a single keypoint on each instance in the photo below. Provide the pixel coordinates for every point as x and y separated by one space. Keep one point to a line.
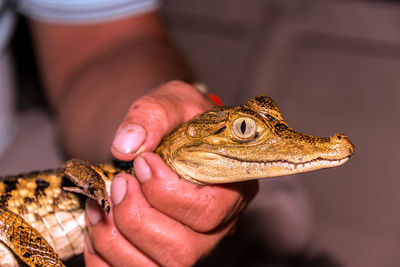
211 167
317 163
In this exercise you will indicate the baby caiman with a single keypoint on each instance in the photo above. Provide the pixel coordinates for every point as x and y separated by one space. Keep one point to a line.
41 213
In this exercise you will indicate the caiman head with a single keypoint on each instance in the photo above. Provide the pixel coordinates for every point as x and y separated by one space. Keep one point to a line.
252 141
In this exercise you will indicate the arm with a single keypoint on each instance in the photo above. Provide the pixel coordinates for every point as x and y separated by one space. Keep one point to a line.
97 70
92 76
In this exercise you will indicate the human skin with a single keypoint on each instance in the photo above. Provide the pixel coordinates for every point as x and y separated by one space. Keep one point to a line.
98 75
159 217
92 74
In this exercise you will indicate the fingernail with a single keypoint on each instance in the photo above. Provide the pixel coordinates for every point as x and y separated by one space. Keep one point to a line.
142 170
93 212
118 189
129 138
88 244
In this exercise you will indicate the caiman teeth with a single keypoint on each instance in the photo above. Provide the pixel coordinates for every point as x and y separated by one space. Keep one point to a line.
302 166
312 164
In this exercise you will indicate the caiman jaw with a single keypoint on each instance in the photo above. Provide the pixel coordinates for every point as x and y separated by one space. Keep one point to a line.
248 142
209 170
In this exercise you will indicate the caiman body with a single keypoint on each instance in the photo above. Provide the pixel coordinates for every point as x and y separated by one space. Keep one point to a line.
44 210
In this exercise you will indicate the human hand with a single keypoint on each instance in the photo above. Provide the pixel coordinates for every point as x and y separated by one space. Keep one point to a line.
159 218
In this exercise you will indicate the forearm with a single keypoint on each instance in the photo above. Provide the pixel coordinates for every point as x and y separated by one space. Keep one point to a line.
96 102
92 93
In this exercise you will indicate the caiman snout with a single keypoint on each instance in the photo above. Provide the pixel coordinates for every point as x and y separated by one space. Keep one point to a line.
342 145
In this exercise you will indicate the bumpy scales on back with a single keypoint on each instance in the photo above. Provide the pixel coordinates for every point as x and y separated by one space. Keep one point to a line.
41 213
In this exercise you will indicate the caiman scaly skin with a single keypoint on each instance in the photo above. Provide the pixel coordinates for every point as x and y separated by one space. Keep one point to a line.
44 201
41 213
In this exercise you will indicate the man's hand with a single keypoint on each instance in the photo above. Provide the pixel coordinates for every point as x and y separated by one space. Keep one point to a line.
160 218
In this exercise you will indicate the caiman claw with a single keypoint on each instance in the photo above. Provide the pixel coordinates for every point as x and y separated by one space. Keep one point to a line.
88 181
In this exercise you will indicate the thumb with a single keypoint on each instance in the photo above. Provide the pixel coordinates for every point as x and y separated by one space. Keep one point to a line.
155 115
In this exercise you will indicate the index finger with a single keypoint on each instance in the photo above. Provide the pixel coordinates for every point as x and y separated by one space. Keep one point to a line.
153 116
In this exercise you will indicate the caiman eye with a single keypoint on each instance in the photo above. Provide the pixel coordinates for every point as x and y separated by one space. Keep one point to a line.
244 128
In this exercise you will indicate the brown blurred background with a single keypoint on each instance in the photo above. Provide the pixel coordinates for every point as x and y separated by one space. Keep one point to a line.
332 66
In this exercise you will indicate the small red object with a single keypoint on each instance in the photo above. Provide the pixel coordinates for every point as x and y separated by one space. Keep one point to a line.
215 99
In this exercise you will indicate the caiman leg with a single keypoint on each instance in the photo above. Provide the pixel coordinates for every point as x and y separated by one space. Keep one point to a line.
88 181
26 242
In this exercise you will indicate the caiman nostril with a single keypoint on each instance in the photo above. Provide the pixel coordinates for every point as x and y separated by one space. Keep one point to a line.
339 138
343 141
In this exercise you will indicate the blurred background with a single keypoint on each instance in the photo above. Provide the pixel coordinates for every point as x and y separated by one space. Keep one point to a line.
332 66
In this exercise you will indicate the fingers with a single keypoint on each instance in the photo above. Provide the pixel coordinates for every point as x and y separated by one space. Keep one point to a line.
91 258
169 242
162 219
203 208
105 240
136 234
155 115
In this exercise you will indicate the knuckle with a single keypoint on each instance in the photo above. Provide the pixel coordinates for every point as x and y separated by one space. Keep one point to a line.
209 216
192 101
132 223
151 108
186 255
100 243
209 219
153 103
179 86
215 210
172 104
